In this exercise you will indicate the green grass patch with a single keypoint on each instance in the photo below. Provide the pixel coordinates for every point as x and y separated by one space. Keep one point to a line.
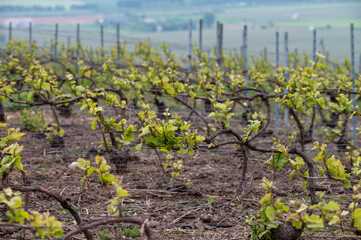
131 232
323 23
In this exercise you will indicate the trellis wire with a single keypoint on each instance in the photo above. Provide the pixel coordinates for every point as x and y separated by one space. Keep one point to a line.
90 36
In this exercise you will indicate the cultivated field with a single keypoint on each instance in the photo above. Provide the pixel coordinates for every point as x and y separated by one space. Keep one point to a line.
136 143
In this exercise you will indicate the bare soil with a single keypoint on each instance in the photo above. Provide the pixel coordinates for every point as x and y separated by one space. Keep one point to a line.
205 208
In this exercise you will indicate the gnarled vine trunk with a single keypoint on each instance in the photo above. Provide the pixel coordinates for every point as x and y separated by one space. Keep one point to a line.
285 231
2 113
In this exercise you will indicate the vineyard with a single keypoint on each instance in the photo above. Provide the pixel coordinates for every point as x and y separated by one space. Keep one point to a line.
125 144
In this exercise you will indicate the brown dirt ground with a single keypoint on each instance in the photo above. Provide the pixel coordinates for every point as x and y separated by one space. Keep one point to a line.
175 210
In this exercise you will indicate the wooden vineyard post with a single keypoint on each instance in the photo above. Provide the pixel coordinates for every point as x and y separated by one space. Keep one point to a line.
353 85
265 53
286 112
78 40
200 35
56 40
218 52
245 68
322 47
314 60
102 40
118 43
69 42
277 103
10 31
30 36
220 43
189 47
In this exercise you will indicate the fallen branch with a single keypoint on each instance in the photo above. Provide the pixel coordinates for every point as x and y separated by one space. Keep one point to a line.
55 196
143 225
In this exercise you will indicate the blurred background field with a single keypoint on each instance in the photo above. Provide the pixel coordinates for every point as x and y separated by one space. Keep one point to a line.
168 21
